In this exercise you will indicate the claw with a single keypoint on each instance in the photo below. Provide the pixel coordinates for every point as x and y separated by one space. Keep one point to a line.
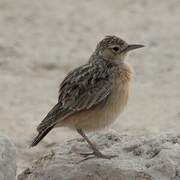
87 154
96 154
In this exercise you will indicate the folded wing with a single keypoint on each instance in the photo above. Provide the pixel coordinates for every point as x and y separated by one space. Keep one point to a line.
82 89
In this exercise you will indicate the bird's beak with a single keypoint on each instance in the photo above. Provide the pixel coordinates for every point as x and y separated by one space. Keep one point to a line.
133 46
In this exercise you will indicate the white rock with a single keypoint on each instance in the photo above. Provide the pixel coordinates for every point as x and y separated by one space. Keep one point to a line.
7 159
139 158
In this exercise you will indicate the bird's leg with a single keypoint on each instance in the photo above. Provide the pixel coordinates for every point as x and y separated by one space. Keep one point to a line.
95 152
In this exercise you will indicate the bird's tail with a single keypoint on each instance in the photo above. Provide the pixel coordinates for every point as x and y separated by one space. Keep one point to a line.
40 136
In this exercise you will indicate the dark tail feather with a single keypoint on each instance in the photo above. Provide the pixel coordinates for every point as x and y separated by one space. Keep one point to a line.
40 136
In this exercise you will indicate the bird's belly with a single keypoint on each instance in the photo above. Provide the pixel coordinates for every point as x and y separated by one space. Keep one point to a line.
102 115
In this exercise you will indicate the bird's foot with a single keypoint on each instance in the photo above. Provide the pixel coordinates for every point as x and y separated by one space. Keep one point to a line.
86 154
96 154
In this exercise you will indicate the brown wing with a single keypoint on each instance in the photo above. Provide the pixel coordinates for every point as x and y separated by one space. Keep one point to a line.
83 88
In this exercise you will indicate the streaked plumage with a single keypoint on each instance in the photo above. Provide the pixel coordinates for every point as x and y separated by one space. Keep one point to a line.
93 95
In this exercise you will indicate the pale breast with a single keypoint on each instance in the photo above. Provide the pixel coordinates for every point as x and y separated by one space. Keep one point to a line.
119 96
120 92
117 101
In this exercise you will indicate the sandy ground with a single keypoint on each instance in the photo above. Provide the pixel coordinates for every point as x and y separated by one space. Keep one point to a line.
40 41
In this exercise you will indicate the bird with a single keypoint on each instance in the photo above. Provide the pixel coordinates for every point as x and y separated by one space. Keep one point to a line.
92 96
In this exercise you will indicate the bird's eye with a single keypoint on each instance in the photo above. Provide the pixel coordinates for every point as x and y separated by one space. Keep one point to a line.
115 49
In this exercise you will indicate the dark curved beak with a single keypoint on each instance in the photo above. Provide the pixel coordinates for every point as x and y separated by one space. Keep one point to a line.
133 46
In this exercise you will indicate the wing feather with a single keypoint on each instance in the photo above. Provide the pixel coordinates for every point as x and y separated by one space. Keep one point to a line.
82 89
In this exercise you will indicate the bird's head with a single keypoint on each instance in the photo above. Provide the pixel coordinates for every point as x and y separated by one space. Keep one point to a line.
114 48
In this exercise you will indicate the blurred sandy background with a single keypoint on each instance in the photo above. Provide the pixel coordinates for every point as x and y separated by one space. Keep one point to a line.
41 40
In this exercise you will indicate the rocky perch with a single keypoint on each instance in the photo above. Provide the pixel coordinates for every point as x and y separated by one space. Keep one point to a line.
139 158
7 159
